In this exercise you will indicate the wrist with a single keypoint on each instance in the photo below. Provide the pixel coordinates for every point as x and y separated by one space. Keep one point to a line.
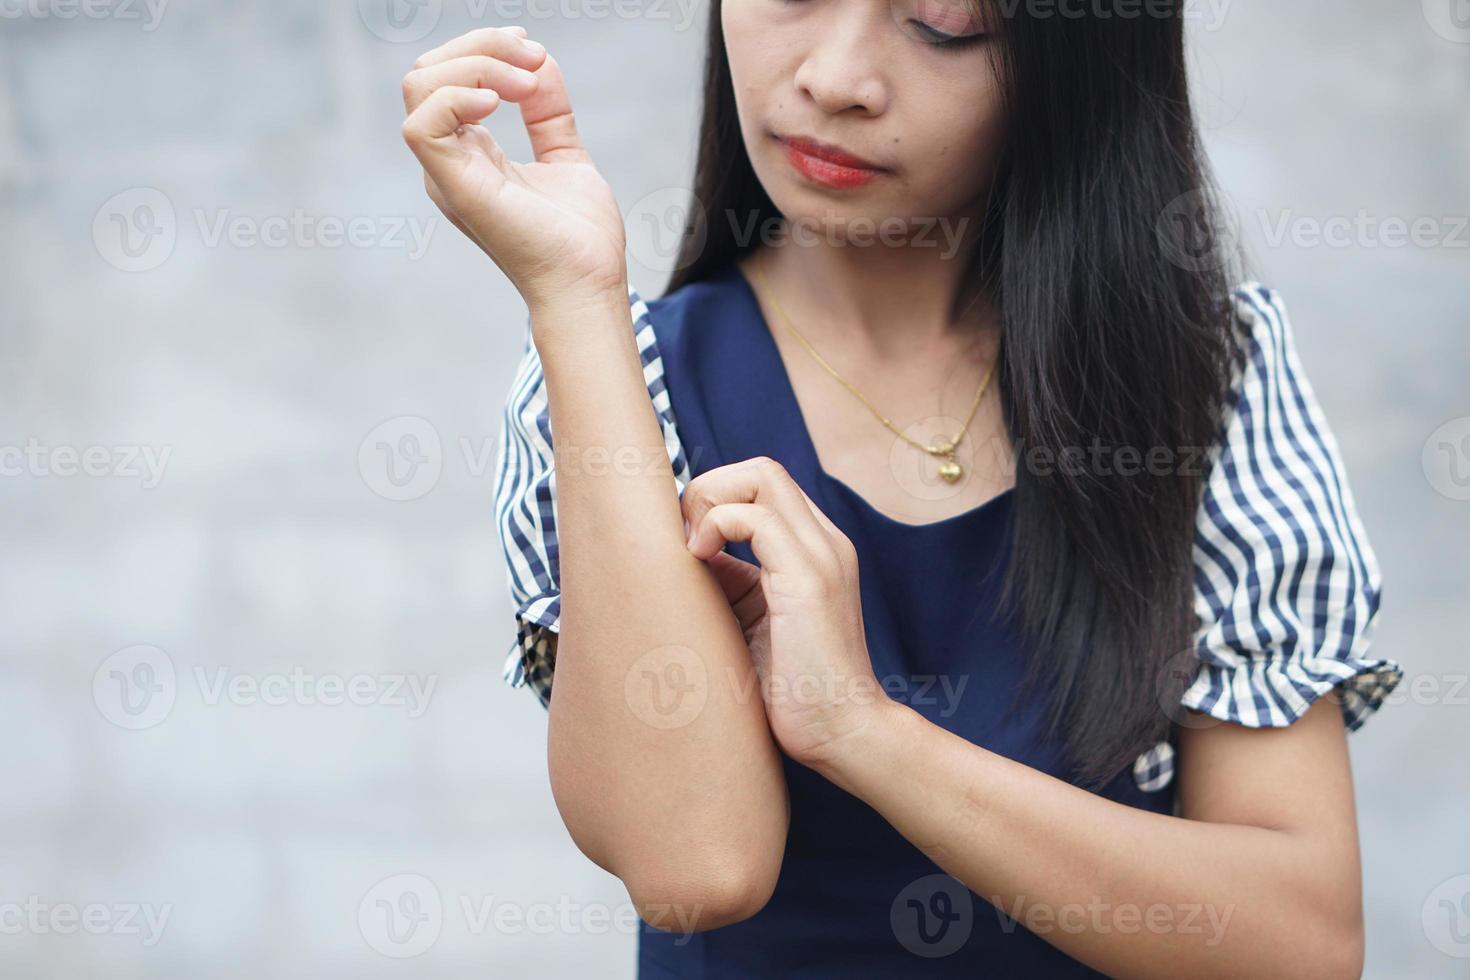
879 728
577 305
577 320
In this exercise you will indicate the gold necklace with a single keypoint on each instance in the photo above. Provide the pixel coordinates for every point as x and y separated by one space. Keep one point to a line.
949 469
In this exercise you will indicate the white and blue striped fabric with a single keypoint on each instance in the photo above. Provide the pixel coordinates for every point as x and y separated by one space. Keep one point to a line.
1287 586
525 501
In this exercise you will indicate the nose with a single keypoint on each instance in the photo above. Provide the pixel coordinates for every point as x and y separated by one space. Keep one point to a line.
841 70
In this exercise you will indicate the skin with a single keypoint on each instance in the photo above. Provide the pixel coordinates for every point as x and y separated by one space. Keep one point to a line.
1258 874
897 322
1264 845
694 821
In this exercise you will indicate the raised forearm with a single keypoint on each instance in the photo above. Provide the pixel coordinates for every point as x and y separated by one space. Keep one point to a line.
1130 892
661 761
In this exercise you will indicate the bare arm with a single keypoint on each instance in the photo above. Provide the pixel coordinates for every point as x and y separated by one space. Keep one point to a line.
1259 875
693 816
689 808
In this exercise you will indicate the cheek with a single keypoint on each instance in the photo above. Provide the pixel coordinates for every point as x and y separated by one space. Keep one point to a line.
757 73
743 28
954 145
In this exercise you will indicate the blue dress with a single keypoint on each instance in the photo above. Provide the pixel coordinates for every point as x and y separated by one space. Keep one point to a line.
854 898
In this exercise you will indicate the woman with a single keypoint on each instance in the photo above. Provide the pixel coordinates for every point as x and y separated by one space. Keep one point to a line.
1023 608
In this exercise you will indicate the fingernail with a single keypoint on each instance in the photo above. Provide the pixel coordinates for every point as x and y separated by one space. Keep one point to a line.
688 533
535 47
517 29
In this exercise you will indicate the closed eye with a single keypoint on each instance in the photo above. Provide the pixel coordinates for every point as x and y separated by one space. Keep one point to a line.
939 39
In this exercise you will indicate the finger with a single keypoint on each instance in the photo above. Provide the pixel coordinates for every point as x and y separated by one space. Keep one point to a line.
485 143
775 546
507 43
759 480
737 578
827 525
740 581
547 113
511 81
429 130
435 195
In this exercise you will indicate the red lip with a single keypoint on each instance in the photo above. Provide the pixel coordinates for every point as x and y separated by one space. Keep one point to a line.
826 151
828 164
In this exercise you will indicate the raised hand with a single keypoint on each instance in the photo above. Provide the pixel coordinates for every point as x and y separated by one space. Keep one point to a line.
551 225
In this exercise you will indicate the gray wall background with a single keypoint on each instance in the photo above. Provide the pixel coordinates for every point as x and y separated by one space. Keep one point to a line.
263 561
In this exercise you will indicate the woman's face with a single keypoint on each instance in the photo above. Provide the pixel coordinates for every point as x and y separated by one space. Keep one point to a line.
872 78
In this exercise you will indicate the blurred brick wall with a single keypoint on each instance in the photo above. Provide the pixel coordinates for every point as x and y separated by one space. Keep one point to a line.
327 728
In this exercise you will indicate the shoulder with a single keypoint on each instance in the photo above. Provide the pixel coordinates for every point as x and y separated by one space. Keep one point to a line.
1274 420
1255 300
1263 336
1288 585
1278 456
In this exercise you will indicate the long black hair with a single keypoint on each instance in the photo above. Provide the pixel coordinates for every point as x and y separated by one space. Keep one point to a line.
1103 248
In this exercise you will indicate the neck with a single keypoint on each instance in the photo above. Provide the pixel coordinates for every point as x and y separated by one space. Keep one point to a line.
891 300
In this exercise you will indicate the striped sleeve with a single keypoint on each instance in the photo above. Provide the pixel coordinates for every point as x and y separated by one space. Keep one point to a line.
525 501
1287 584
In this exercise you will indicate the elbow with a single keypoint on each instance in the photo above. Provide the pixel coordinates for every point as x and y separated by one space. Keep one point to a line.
678 886
697 899
1347 955
1346 961
1337 952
